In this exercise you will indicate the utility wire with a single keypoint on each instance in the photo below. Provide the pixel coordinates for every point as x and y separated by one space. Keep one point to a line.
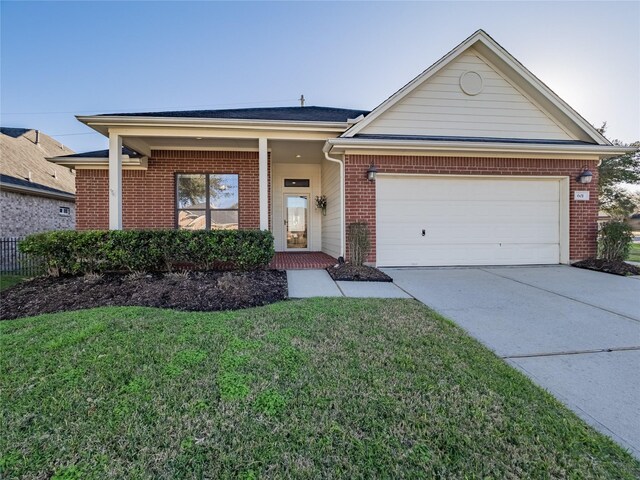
151 108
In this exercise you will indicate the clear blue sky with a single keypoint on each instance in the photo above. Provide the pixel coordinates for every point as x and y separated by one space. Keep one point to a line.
64 58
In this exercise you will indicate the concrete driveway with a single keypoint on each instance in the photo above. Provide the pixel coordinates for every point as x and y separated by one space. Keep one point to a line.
574 332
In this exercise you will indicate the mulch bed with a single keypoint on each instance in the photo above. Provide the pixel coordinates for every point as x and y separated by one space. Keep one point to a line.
357 273
617 268
191 291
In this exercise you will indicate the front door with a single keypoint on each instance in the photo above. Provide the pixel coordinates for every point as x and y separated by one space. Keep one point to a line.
296 222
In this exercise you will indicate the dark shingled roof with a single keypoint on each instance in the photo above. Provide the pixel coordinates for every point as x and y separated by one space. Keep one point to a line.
296 114
101 154
473 139
14 132
19 182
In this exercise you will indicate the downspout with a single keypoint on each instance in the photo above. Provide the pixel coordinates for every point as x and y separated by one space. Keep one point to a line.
325 150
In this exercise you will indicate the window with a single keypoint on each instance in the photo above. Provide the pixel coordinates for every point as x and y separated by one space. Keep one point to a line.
296 182
65 211
207 201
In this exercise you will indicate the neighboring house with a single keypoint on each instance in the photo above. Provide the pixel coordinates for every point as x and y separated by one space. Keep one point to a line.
35 195
475 161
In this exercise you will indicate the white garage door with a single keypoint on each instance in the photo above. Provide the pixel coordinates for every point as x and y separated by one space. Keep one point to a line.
432 221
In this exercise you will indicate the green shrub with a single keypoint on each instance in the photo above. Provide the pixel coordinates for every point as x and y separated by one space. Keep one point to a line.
70 252
359 242
614 241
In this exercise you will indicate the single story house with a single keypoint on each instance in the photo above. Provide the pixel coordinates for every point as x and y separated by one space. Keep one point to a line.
475 161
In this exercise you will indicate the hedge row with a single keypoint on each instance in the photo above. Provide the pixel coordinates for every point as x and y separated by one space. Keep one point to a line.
71 252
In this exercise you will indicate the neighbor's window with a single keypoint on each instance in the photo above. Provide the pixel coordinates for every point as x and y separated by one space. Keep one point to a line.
65 211
207 201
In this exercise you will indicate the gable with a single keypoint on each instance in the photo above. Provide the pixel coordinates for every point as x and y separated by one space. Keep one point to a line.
440 107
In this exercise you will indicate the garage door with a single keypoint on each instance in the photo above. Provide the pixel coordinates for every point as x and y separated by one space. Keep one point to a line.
432 221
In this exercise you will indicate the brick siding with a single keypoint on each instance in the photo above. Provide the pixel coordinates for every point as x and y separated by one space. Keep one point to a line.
22 214
360 194
148 196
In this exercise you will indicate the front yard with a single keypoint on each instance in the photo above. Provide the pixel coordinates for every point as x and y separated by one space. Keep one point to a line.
318 388
634 252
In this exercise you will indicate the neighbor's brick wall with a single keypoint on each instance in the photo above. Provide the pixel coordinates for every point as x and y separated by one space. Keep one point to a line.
149 195
361 194
22 214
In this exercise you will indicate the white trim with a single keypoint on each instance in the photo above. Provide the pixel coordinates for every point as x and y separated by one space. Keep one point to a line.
482 39
343 210
97 163
263 169
600 151
115 182
564 200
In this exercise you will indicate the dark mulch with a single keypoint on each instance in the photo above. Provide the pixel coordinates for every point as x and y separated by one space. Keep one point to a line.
607 266
357 273
192 291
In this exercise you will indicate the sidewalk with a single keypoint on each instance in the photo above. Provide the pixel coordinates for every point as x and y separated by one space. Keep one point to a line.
318 283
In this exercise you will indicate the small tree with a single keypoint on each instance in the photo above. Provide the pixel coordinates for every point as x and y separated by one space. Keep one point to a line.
615 200
359 242
614 241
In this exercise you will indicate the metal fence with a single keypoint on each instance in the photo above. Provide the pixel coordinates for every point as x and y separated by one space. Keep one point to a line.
14 262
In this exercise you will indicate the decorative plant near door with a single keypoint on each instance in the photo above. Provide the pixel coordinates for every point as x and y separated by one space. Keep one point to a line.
359 242
321 203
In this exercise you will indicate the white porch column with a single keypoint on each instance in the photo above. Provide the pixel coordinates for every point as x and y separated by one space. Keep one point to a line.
115 182
263 157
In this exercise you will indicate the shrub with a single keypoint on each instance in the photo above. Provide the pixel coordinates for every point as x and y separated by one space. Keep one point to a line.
614 241
69 252
359 242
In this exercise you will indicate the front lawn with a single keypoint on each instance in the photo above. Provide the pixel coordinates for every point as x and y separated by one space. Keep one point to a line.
634 252
343 388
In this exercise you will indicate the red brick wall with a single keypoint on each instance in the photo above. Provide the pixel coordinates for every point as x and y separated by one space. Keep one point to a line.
149 195
361 194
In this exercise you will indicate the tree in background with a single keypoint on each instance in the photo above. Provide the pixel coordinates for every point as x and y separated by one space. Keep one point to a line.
615 200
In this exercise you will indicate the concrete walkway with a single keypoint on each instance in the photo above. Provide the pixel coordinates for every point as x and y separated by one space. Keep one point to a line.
575 332
318 283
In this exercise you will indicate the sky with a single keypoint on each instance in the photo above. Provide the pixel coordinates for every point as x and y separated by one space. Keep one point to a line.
59 59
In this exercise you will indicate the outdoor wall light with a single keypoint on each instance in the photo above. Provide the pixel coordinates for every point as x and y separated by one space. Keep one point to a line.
585 176
371 173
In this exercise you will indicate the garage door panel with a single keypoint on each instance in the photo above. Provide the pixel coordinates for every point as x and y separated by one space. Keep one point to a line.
471 254
469 221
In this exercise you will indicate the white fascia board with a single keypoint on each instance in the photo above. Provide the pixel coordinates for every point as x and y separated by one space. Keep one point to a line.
482 38
344 144
112 121
128 163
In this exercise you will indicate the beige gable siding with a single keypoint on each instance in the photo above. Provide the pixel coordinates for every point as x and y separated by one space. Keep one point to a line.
439 107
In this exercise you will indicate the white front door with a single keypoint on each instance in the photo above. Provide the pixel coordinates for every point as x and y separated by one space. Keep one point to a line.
296 221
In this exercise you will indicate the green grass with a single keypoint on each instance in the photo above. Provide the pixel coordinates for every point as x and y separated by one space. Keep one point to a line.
634 252
7 281
312 389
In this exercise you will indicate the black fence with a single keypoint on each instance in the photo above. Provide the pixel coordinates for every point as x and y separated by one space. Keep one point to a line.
14 262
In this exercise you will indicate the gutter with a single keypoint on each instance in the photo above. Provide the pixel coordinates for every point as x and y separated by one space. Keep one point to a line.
326 149
602 151
209 122
8 187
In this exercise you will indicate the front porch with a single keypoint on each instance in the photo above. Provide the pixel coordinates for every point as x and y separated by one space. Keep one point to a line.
302 261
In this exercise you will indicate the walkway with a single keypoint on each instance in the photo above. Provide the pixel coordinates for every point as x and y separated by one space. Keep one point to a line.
318 283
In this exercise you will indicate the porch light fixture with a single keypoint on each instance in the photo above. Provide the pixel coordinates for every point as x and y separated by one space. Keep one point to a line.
372 172
585 176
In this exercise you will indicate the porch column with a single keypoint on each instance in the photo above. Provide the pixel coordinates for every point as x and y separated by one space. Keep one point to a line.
263 156
115 181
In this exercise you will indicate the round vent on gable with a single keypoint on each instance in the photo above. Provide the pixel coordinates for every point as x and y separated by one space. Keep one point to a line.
471 83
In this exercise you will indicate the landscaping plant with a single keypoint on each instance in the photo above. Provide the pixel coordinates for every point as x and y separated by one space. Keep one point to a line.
359 242
79 253
614 241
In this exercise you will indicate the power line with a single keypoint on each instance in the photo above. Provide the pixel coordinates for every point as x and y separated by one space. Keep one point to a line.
151 108
72 134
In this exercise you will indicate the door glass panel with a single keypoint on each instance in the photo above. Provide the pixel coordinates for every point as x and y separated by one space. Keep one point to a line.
297 207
